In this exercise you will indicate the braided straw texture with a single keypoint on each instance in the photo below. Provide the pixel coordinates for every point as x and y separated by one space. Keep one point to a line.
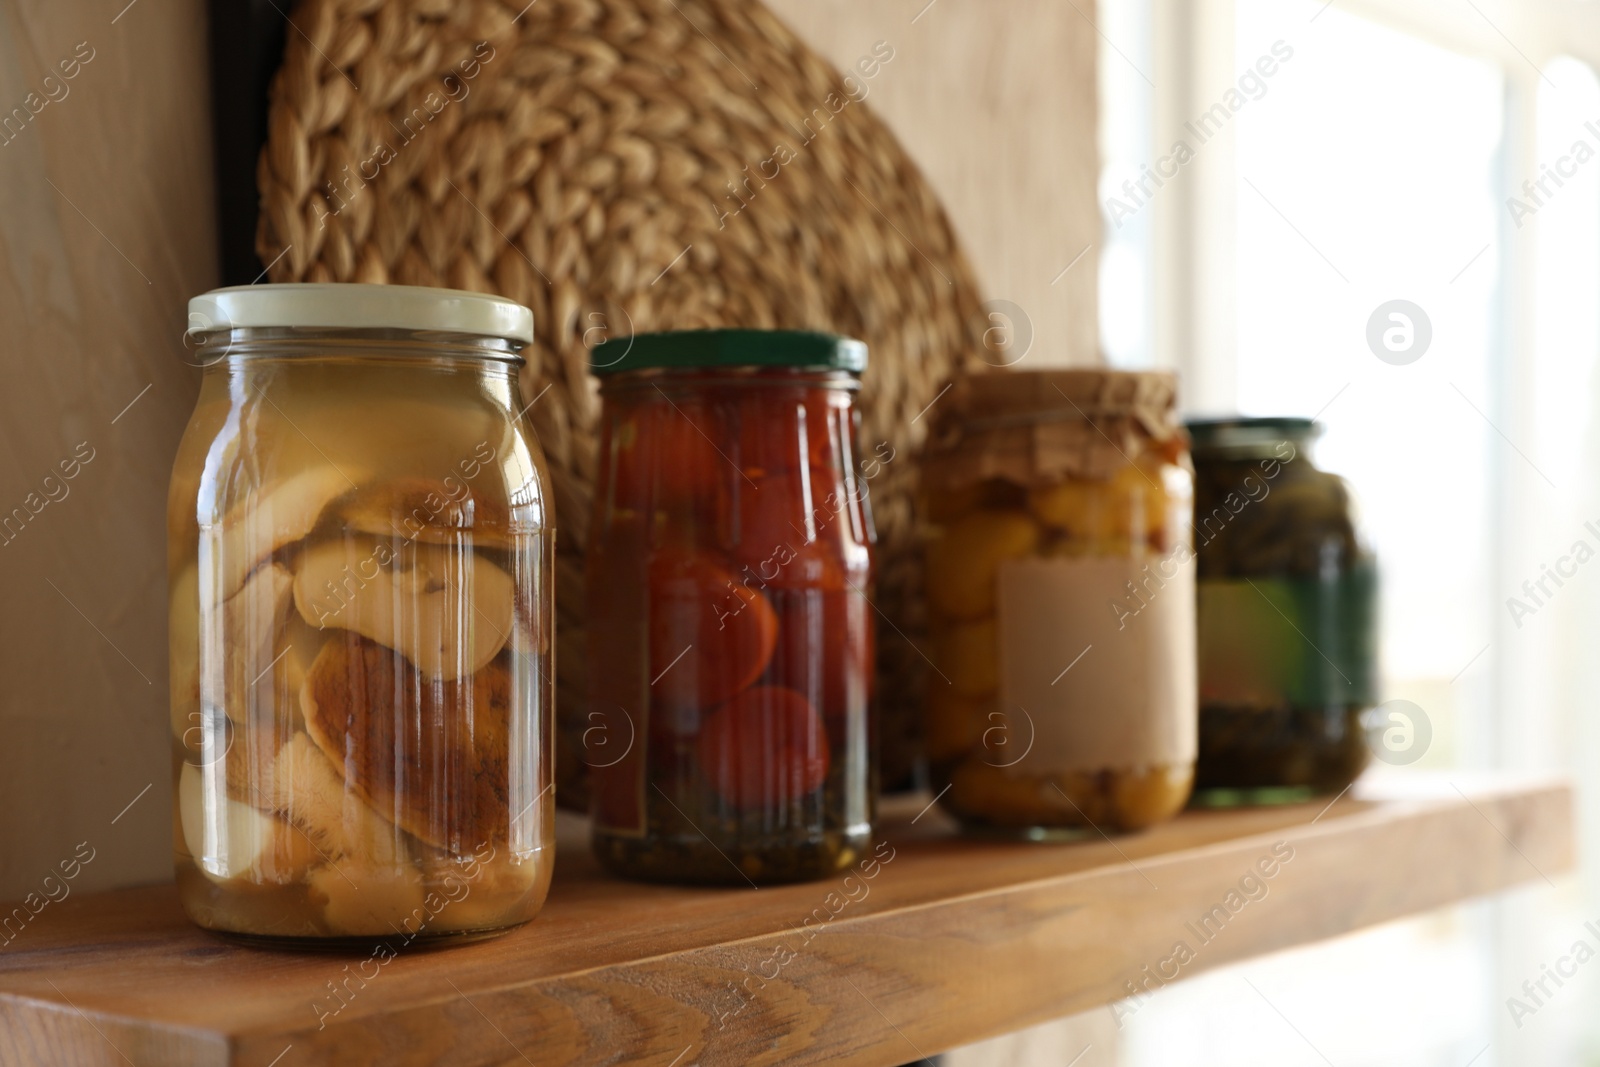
614 165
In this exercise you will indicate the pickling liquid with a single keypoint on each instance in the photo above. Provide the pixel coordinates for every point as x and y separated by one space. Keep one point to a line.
361 644
730 635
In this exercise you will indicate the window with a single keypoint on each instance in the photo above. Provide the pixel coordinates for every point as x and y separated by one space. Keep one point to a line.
1345 155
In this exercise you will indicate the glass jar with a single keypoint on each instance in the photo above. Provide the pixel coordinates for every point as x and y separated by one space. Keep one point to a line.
360 556
1287 616
729 632
1060 588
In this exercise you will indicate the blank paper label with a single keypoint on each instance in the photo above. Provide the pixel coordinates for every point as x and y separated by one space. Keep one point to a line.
1099 655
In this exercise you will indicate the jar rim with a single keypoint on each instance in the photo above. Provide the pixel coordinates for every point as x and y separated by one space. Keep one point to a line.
357 306
1246 433
726 348
673 380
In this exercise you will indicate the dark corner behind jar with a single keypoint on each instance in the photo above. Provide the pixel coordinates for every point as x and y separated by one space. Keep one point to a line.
246 39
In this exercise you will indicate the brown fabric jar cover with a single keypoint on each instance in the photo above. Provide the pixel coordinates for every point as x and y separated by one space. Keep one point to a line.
1041 427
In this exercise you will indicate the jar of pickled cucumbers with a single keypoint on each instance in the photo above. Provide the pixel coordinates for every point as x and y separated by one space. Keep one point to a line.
730 638
360 557
1288 616
1060 588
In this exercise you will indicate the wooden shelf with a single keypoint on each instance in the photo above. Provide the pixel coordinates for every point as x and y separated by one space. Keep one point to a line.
952 940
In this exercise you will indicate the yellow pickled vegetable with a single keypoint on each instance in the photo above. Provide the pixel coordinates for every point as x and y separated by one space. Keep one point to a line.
1147 796
1139 502
968 654
964 563
1082 509
989 794
955 723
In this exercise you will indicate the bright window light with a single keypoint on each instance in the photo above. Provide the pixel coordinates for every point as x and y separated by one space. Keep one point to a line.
1331 225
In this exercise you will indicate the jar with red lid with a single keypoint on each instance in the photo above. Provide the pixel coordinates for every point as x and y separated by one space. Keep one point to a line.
729 631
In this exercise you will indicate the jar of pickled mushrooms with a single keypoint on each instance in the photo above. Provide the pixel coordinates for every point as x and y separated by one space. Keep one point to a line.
1060 587
360 557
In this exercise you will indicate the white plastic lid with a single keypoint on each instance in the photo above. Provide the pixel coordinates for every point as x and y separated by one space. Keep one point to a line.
352 306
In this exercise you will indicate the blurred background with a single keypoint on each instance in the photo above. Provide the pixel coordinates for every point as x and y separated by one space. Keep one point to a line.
1384 158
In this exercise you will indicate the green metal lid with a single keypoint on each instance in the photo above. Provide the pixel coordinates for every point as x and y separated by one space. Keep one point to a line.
694 349
1242 434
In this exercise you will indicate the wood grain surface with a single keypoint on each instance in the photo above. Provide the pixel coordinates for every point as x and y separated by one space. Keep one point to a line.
950 940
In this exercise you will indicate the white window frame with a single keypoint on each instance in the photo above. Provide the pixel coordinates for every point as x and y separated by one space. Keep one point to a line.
1193 294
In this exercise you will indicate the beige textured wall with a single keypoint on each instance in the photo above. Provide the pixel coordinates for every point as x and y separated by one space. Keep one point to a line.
105 228
997 104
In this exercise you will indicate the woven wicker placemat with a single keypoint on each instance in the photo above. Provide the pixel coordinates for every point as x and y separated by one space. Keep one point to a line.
624 165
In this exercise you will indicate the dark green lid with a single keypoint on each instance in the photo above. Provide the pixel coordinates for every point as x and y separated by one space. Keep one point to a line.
693 349
1240 433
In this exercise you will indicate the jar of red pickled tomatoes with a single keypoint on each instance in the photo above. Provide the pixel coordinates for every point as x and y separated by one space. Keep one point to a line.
729 633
